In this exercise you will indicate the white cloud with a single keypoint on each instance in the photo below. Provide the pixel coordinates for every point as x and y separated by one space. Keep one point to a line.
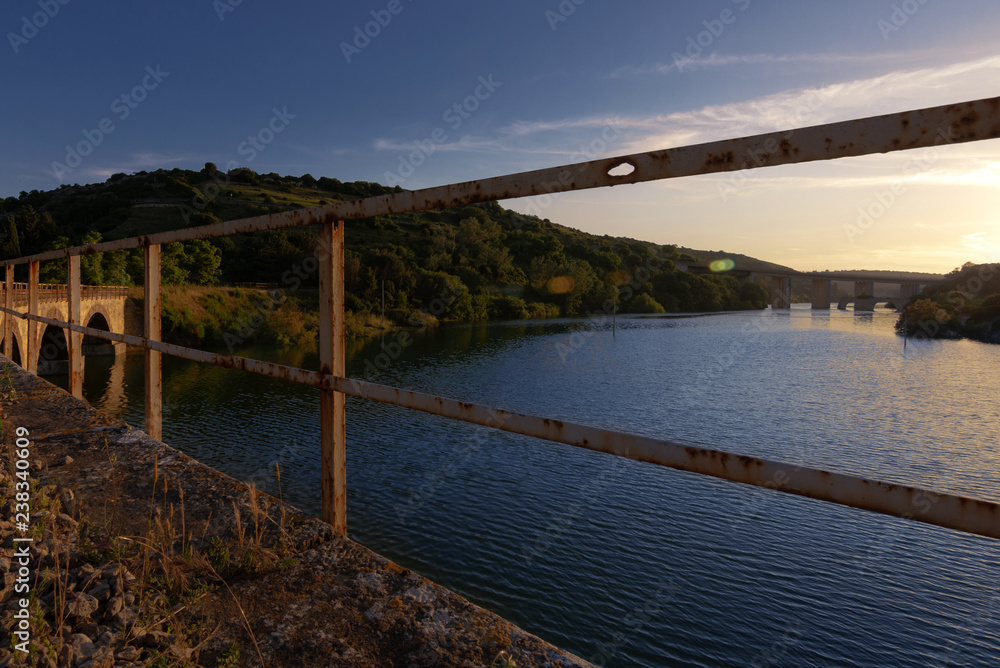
531 144
801 107
893 92
718 60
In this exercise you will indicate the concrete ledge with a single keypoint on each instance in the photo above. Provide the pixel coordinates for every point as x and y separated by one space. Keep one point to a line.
332 602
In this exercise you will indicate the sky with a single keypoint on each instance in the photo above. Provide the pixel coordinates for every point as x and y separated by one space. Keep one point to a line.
420 94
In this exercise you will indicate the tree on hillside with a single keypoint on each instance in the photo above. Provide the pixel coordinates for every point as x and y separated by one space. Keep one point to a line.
91 265
203 262
54 272
115 265
10 247
35 230
478 245
172 261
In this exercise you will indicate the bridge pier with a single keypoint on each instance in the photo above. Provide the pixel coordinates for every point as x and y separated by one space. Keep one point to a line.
781 292
864 289
821 293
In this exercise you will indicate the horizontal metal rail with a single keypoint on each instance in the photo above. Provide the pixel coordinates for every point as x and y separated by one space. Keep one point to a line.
934 126
965 514
931 127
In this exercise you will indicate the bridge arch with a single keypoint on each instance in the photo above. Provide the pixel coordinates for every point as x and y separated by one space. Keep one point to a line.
15 347
93 345
107 317
867 304
53 352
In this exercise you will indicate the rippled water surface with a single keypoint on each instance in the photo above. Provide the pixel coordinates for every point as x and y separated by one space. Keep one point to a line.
629 564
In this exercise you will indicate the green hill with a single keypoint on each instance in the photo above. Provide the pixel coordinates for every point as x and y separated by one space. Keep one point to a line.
967 305
465 263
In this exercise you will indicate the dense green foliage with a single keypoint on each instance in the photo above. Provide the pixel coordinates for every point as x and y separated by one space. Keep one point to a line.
468 263
968 305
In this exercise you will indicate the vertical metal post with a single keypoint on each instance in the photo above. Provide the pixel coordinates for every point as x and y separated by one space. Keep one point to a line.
333 447
151 320
614 318
8 320
32 346
75 339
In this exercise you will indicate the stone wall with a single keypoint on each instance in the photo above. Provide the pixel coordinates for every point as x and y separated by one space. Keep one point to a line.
308 597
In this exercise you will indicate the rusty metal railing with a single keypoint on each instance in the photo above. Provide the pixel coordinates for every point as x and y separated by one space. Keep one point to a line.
949 124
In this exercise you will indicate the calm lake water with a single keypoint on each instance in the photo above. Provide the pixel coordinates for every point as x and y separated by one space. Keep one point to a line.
629 564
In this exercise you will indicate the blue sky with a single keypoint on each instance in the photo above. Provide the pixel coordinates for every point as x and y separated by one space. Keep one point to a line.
538 84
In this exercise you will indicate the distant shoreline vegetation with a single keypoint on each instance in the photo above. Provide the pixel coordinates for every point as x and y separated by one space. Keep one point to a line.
967 306
469 263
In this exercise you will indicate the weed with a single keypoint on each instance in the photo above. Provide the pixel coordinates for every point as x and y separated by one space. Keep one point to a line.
230 657
503 660
162 661
7 390
218 555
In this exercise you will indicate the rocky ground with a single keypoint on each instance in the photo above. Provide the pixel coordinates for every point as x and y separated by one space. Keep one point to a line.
86 609
142 556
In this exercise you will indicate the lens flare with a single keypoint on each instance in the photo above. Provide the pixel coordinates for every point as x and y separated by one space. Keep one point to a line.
722 265
561 285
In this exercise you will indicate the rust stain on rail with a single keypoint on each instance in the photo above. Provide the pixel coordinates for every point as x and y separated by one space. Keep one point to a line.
969 121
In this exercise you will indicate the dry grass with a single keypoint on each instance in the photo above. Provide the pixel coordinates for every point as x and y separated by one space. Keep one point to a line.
172 576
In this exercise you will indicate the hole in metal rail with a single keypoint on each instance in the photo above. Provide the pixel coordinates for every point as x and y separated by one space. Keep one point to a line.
622 169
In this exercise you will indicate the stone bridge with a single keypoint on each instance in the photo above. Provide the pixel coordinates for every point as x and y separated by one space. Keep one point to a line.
42 348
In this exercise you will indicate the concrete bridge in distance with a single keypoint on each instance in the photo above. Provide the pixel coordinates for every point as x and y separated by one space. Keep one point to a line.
41 348
779 286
